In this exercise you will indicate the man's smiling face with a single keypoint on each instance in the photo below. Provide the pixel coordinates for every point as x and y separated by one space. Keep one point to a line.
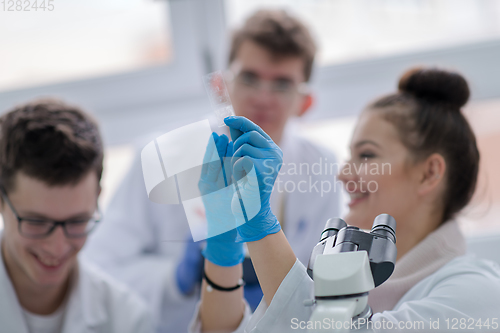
46 262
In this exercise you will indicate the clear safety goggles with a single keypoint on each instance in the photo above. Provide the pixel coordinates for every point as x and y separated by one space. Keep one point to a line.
249 84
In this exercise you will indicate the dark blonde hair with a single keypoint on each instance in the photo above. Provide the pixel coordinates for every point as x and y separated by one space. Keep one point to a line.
426 111
280 34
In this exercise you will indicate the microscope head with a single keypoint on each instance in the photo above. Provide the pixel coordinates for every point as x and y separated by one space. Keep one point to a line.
379 243
385 225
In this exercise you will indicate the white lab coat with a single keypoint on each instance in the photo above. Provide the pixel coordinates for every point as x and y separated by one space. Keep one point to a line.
466 288
433 281
141 242
96 304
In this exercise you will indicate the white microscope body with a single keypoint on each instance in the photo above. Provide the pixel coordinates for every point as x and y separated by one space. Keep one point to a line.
346 264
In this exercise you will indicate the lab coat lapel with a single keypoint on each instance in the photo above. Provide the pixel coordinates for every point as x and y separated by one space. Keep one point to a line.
11 314
85 310
290 159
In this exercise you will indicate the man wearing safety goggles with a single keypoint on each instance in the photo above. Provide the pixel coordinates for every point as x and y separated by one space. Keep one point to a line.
270 64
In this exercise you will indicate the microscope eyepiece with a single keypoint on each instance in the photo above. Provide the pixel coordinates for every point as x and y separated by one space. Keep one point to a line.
385 225
379 243
332 227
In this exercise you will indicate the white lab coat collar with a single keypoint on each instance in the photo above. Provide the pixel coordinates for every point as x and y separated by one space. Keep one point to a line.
436 250
83 312
11 315
289 134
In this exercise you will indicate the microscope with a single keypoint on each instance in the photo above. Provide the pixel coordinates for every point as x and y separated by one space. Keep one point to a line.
345 265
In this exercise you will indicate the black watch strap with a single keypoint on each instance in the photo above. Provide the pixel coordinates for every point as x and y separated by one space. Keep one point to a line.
212 285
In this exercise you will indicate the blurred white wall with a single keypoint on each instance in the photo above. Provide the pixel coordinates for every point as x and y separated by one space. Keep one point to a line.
82 39
364 46
350 30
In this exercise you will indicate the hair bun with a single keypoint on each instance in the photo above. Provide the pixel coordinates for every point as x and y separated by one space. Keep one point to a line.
436 85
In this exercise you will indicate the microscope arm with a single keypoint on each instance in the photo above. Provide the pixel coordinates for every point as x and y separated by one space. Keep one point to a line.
334 316
341 285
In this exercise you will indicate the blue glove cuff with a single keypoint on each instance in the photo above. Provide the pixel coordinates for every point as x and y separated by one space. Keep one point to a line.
224 261
247 233
224 253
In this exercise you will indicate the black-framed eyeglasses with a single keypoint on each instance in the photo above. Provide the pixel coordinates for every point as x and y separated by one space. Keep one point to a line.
41 228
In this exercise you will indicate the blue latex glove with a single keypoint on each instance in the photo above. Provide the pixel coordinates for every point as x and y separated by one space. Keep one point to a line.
217 194
256 162
189 270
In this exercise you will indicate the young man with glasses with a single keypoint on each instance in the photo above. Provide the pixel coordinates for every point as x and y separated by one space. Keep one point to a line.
50 166
143 243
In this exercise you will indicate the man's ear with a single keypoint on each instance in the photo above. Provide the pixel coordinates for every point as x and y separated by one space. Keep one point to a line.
306 105
432 173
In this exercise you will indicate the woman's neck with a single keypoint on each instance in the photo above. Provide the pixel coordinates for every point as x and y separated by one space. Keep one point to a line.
415 228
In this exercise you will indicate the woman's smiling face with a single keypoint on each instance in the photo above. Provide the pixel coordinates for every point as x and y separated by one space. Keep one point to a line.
379 176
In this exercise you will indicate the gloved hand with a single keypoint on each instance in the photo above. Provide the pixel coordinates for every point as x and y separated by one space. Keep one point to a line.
256 162
217 193
189 270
